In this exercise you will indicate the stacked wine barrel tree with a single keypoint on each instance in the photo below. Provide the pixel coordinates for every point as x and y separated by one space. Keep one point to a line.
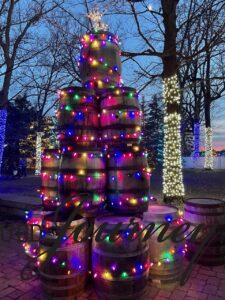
120 123
119 269
99 169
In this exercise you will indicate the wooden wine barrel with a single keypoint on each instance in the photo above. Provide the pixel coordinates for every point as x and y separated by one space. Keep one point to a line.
208 212
78 116
34 224
167 257
120 268
82 178
100 63
49 179
128 181
120 116
65 276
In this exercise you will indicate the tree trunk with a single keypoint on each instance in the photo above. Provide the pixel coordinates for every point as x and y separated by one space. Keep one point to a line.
207 111
170 65
207 107
208 137
173 188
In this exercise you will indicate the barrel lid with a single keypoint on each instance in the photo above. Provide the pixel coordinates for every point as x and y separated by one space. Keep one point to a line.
160 213
204 202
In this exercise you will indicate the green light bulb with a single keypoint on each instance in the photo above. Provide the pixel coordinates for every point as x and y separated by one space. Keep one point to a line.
167 256
145 198
124 275
96 198
68 108
63 264
107 239
96 175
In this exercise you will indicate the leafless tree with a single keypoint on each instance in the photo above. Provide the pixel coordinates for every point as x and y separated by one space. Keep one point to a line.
18 43
51 69
204 74
164 30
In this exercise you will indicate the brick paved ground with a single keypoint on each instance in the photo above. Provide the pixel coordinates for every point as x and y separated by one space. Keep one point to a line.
204 283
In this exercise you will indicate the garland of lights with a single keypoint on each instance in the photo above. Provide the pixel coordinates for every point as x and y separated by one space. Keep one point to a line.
172 164
208 148
3 118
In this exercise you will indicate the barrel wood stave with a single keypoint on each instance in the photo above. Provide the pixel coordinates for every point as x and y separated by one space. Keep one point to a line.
208 212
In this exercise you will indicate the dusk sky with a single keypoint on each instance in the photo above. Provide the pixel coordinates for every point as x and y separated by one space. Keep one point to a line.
125 29
130 43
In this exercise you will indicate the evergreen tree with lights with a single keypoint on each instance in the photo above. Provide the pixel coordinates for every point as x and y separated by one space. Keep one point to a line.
21 114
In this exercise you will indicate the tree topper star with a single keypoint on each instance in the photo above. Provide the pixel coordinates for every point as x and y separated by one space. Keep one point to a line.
96 17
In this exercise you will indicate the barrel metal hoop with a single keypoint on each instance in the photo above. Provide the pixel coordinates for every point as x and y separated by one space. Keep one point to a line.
121 106
65 171
128 254
119 126
71 276
126 168
123 191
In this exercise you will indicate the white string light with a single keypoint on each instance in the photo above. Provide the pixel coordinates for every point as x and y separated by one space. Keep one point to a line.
149 7
96 17
38 153
208 149
172 164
